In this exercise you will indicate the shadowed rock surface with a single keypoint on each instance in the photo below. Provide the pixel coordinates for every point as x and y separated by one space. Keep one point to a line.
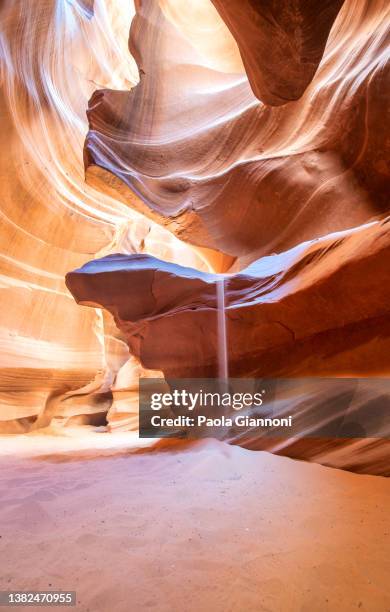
281 42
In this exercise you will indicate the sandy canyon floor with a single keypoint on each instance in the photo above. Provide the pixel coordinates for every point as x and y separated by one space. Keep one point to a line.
206 527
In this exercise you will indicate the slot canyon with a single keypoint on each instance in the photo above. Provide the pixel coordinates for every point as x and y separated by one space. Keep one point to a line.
194 190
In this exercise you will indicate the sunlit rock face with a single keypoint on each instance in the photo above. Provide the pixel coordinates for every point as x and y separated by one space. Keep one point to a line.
221 169
60 362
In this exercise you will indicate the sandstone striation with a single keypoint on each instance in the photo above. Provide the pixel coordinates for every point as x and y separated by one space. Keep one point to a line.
191 146
59 362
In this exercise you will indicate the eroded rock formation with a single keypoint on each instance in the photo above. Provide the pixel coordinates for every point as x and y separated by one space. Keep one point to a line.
192 147
254 135
59 362
281 42
264 181
321 308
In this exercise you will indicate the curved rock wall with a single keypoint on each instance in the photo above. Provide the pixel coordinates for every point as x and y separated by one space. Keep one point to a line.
244 137
53 55
223 170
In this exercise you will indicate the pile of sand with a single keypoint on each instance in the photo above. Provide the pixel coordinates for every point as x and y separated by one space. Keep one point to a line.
207 527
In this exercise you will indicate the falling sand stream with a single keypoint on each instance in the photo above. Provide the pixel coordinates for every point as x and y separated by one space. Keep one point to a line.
223 369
